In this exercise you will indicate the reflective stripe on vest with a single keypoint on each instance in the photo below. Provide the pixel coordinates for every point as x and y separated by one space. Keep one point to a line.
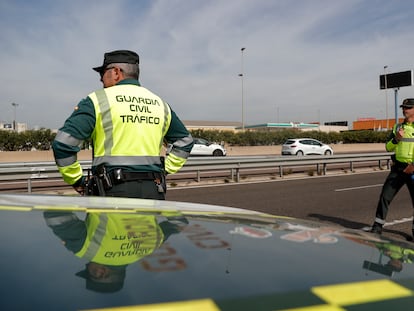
67 139
130 160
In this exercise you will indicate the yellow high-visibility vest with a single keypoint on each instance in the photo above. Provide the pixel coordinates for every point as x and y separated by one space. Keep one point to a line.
120 239
130 125
404 150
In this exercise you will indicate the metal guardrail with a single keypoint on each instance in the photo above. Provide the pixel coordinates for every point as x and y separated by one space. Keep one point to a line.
31 171
321 163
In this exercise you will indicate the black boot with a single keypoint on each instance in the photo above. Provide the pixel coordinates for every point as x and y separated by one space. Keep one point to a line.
376 228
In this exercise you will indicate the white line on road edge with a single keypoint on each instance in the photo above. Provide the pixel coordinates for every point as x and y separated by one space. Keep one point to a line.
398 221
391 223
356 188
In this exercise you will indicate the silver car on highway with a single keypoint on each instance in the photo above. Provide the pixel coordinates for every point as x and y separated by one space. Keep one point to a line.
305 146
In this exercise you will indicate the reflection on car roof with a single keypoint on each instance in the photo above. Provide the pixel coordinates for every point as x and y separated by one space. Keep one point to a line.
168 255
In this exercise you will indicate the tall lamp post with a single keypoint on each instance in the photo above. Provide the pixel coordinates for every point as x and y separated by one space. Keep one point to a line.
242 86
386 96
14 115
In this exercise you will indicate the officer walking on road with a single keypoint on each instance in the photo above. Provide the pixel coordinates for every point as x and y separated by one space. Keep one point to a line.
128 125
401 142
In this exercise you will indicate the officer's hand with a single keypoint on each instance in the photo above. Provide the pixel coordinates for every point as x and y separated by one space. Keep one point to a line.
409 169
80 185
80 190
400 134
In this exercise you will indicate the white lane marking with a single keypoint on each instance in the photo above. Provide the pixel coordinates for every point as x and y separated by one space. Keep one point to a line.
360 187
387 224
391 223
399 221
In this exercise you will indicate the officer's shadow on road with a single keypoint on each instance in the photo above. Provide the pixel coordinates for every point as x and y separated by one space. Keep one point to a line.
355 225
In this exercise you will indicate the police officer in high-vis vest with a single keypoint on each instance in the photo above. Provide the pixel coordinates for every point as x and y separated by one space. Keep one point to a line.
401 142
128 125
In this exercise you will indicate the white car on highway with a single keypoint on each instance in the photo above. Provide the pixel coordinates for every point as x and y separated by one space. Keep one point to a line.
203 147
305 146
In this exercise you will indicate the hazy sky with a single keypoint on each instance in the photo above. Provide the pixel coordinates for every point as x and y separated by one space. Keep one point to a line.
304 60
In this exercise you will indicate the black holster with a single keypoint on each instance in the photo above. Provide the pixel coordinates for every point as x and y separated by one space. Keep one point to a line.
99 183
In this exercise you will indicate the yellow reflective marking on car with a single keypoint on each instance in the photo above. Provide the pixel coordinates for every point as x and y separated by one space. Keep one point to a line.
361 292
15 208
317 308
191 305
59 208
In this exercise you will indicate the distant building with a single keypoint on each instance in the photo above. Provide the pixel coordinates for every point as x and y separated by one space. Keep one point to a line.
7 126
337 123
280 126
226 126
211 125
374 124
237 126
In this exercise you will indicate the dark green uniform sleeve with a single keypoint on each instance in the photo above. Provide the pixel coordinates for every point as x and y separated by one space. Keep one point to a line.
177 131
181 144
69 139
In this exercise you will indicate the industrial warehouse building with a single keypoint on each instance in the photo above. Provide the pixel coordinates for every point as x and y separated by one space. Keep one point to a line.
360 124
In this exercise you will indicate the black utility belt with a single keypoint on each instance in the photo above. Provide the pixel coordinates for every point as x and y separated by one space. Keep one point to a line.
103 180
400 164
119 176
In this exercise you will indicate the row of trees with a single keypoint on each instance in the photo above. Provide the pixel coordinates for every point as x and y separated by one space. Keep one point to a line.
26 141
268 138
42 139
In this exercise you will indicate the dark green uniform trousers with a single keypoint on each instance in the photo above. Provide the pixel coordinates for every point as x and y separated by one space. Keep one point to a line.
395 181
144 189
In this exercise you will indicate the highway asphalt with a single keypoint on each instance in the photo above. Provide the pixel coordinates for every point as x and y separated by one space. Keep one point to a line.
346 200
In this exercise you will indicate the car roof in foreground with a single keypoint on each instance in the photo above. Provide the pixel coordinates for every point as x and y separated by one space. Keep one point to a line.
213 258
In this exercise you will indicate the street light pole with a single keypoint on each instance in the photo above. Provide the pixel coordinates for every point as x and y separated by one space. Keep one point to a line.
242 86
386 96
277 114
14 115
